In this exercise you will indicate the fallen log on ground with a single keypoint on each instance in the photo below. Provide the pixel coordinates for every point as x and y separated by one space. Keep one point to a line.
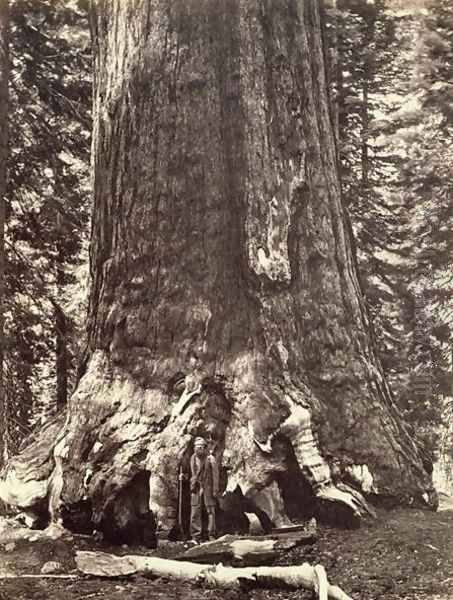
247 551
305 576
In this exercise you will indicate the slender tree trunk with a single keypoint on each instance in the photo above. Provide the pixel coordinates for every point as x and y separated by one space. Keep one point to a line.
4 77
225 300
62 359
61 331
368 76
334 68
365 118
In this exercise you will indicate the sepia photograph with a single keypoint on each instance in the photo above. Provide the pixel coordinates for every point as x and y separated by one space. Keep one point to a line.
226 299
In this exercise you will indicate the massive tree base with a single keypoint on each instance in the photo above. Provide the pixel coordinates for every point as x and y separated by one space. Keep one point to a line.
303 576
112 462
225 300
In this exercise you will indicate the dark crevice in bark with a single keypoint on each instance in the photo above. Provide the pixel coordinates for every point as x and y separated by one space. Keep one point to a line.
225 301
297 492
127 518
78 517
232 517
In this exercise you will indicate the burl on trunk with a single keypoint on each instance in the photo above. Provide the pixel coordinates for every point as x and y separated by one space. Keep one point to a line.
225 301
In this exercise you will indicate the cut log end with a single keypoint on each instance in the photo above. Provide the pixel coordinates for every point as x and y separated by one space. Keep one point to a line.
321 583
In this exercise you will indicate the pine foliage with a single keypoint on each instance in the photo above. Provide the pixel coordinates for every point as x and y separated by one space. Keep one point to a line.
394 105
47 201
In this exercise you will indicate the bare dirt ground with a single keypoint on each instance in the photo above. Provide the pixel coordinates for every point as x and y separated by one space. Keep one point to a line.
404 555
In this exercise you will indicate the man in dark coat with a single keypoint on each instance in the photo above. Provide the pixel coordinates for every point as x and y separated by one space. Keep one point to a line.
204 488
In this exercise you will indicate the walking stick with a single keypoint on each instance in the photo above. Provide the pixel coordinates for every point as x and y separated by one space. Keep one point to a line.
180 514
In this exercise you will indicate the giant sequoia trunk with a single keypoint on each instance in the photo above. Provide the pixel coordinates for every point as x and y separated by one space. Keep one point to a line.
224 300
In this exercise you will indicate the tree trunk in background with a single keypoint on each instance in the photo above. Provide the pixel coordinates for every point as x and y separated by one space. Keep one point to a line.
224 301
61 358
333 67
61 331
368 77
4 76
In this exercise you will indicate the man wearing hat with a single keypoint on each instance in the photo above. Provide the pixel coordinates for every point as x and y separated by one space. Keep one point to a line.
204 488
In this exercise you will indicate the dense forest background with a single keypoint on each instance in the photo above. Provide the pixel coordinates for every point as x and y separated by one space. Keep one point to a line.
391 66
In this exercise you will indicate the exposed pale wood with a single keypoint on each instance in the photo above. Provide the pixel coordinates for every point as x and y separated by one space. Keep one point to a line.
321 585
288 529
11 531
301 576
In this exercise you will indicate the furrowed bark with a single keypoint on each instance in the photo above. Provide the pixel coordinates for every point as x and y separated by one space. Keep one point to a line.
225 300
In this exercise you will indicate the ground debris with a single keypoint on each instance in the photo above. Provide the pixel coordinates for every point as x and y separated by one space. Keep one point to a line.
249 550
364 562
51 566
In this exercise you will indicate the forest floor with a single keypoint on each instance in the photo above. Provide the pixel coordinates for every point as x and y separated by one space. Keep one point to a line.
404 554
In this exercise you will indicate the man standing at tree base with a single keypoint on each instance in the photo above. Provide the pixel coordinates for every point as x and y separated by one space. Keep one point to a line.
204 488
